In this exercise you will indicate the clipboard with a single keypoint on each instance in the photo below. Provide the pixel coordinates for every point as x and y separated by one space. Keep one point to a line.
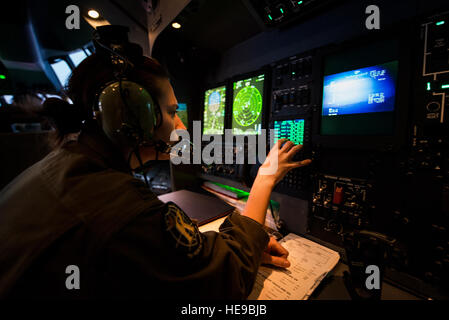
199 207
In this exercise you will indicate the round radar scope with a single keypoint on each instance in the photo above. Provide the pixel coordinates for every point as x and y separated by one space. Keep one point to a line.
247 106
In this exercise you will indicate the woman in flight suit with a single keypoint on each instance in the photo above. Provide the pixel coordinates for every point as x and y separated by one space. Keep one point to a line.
79 211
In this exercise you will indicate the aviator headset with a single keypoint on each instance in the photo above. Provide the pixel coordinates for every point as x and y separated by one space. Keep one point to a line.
125 110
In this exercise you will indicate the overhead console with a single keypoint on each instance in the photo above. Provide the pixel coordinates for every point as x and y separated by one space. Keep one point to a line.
280 13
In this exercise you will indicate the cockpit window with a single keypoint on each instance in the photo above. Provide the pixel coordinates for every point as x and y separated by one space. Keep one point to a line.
62 70
77 56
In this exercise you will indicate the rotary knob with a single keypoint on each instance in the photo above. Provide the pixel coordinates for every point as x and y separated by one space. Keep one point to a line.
433 106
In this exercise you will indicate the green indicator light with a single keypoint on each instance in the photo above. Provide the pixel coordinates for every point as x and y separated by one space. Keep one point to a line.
293 72
282 10
445 86
269 16
439 23
428 86
2 76
241 192
299 2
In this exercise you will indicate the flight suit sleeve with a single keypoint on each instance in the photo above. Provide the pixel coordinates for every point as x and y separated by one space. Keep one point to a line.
236 251
148 259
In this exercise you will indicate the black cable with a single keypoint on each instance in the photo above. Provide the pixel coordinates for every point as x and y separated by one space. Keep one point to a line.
126 60
137 153
278 224
129 159
272 214
276 233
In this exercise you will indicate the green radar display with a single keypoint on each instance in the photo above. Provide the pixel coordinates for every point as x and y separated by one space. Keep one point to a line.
214 110
247 106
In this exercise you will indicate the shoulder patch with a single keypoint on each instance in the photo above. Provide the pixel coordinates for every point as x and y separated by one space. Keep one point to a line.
182 231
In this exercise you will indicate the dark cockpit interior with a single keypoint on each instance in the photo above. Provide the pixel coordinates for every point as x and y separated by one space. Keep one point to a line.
362 85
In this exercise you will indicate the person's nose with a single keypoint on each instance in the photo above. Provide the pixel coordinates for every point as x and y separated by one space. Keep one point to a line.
179 125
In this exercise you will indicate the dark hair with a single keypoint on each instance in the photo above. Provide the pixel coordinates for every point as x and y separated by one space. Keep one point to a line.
85 82
62 116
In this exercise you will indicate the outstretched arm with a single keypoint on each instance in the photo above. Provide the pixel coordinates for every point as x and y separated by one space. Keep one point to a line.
268 176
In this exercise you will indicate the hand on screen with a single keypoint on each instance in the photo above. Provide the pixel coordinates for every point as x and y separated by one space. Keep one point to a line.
279 160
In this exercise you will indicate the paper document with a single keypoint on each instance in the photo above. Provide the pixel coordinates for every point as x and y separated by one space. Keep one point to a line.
310 263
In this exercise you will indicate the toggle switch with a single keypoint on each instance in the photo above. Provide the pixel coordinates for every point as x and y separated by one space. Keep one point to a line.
338 195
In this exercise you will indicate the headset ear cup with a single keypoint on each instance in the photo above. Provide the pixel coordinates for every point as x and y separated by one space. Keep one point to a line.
128 113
